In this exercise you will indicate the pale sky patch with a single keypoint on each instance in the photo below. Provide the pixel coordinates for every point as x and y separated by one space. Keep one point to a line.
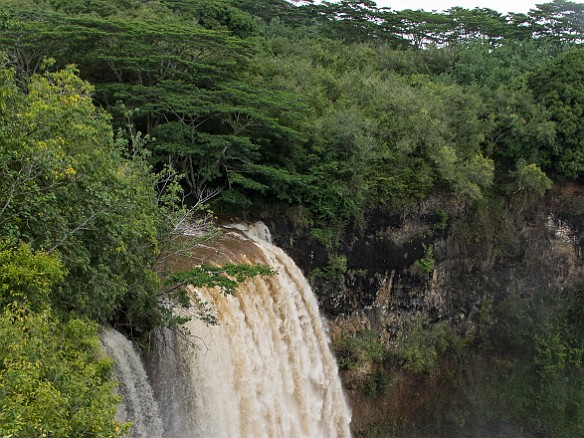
503 6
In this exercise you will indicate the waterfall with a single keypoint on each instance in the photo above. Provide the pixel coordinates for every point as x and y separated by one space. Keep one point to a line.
266 370
138 404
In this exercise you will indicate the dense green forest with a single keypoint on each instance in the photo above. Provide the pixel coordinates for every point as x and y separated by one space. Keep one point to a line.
121 119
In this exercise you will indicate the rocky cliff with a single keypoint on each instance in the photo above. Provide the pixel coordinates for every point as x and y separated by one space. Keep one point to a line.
444 260
445 265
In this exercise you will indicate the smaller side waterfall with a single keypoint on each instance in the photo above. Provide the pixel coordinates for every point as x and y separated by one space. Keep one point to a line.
138 405
170 373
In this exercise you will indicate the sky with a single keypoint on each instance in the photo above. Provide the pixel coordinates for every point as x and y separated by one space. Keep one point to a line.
440 5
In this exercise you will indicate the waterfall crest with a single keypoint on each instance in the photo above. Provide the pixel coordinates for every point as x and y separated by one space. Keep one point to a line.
266 370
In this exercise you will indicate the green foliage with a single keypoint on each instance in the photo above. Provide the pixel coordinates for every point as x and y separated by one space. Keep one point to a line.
215 14
559 21
386 428
480 63
559 86
225 277
103 8
423 346
523 369
334 271
377 384
67 189
297 119
53 378
275 12
523 130
90 220
392 139
356 22
178 78
529 178
26 278
359 349
332 110
90 216
534 375
443 220
425 265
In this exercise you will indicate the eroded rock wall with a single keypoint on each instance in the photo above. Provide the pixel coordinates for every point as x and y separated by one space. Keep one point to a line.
477 255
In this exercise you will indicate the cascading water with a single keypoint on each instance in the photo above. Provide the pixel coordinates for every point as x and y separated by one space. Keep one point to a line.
138 404
265 370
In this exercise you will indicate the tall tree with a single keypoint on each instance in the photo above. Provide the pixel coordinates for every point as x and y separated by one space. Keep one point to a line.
559 21
67 189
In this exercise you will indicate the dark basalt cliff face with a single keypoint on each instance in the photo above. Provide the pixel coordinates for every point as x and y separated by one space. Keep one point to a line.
444 261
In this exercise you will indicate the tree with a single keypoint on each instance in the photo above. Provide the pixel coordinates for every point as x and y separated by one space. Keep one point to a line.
358 22
184 85
423 28
281 10
216 15
530 179
67 189
53 377
559 86
479 23
559 21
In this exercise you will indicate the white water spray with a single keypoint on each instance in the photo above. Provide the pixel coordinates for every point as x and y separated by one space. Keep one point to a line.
265 371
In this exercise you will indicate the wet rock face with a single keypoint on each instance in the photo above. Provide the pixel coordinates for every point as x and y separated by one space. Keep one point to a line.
476 256
389 244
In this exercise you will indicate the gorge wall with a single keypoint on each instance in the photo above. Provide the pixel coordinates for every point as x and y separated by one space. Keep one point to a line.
475 256
442 265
